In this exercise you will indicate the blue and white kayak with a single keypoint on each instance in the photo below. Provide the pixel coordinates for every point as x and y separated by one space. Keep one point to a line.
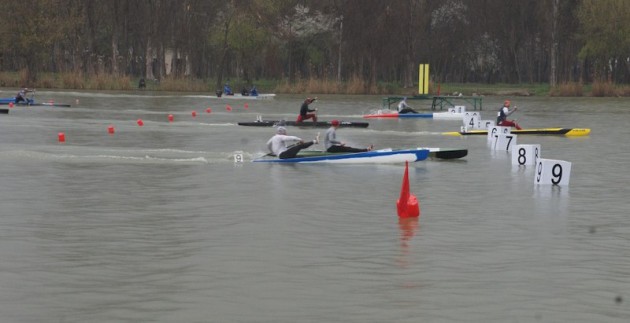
382 156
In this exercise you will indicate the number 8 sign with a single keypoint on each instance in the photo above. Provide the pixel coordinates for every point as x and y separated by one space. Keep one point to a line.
525 154
552 172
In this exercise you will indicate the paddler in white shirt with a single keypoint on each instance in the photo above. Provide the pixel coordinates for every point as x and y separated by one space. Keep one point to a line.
279 144
403 107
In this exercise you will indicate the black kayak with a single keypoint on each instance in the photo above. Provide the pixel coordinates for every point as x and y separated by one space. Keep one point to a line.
43 104
4 111
306 124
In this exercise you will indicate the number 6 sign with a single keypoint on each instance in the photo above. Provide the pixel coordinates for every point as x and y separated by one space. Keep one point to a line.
552 172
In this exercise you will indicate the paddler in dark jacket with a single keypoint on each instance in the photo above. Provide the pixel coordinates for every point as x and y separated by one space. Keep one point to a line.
503 113
305 112
21 95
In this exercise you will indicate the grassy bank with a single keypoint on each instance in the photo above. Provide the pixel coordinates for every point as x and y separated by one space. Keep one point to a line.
355 85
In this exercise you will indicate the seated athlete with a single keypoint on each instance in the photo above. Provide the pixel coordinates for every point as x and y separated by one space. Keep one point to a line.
278 144
335 146
403 107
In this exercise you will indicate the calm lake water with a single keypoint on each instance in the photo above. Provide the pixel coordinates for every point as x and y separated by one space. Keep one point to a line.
159 224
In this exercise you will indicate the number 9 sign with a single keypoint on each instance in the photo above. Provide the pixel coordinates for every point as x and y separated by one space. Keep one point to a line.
238 156
552 172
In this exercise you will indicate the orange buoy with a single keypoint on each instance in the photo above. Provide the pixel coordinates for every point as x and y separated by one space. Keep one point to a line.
194 114
228 107
61 137
209 110
407 204
140 122
110 130
170 118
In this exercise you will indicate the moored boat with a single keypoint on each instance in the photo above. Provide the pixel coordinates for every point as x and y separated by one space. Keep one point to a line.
239 96
382 156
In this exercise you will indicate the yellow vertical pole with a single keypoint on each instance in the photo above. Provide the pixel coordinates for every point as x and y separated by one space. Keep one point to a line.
423 79
426 79
420 79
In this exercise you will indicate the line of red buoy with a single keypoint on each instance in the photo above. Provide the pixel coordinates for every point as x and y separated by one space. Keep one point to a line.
61 137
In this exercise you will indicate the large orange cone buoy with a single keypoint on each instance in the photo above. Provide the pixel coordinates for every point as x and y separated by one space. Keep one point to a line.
407 203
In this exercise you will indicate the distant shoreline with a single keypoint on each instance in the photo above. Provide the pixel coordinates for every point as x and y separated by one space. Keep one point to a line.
311 86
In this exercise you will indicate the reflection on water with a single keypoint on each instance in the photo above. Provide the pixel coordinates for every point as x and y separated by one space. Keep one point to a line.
408 227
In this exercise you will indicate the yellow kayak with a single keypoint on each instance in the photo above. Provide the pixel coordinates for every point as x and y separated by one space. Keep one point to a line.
568 132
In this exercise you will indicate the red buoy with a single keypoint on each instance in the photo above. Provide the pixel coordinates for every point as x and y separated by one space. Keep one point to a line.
140 122
170 118
10 104
194 114
246 106
61 136
407 204
228 108
208 110
110 130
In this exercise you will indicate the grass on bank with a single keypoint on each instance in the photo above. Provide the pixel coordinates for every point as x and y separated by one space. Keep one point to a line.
355 85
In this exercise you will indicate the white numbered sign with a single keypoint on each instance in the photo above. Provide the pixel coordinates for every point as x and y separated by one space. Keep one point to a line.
471 120
497 130
552 172
504 141
485 124
238 156
525 154
457 109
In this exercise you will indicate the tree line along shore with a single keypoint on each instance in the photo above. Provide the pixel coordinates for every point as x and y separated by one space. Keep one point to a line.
577 47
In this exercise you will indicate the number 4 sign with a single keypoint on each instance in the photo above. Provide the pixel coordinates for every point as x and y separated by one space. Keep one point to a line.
552 172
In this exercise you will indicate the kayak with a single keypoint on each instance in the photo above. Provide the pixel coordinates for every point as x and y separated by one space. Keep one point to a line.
382 156
434 153
31 102
447 153
318 124
434 115
569 132
4 111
